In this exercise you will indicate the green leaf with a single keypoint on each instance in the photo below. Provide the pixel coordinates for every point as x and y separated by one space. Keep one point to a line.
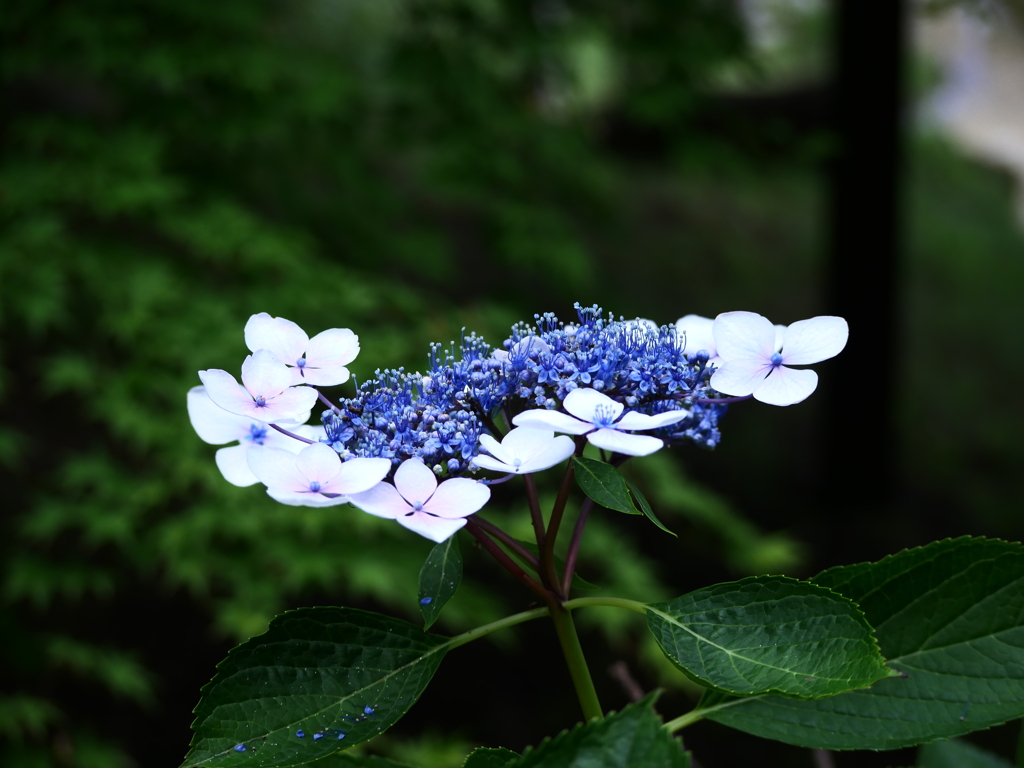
578 582
308 671
958 754
769 633
439 578
632 738
341 760
486 757
951 617
603 483
645 506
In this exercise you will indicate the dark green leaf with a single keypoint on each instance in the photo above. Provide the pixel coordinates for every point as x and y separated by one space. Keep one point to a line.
308 671
484 757
645 506
603 483
769 633
342 760
632 738
950 616
958 754
439 578
578 582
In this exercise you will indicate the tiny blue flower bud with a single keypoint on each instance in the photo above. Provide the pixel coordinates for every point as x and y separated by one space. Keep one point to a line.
239 747
776 359
426 601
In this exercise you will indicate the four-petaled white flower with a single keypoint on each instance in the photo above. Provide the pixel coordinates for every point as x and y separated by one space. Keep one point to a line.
316 476
319 361
754 363
602 420
528 345
524 450
216 426
695 334
417 502
267 394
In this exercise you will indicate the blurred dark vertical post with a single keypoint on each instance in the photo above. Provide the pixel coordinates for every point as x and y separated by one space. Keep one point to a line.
865 245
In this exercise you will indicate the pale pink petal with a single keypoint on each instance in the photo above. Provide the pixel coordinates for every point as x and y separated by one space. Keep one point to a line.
282 337
312 432
274 439
233 465
382 500
319 463
814 340
414 481
276 469
486 462
307 499
457 497
786 386
227 393
624 442
523 442
433 528
555 452
496 449
698 334
212 423
332 348
294 404
358 475
780 334
744 336
541 418
738 378
638 421
327 376
590 405
264 375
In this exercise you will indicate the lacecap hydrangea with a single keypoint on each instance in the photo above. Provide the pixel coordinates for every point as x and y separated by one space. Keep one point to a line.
439 416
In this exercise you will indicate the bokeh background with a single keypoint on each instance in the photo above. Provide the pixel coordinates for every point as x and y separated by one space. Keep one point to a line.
408 168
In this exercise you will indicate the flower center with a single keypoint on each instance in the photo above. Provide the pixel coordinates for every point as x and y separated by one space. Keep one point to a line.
301 362
261 401
604 415
516 462
776 359
417 505
314 486
257 433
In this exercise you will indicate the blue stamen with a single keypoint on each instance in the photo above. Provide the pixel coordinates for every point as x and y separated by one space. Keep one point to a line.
314 486
776 359
261 401
301 362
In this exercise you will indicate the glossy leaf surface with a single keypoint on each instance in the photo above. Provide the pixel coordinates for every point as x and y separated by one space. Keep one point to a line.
632 738
603 483
769 633
950 616
314 669
439 578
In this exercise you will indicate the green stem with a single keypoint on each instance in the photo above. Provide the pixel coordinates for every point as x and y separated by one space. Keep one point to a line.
573 652
610 602
698 714
509 621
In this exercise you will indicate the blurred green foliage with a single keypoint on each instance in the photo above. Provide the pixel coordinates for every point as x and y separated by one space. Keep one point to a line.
403 169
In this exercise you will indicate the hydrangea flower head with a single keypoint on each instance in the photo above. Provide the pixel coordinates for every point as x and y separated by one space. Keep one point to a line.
754 363
265 394
320 361
419 503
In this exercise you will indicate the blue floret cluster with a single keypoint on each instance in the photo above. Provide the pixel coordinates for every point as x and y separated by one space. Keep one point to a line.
439 416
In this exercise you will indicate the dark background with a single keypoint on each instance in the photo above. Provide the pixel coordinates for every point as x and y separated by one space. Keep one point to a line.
409 168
